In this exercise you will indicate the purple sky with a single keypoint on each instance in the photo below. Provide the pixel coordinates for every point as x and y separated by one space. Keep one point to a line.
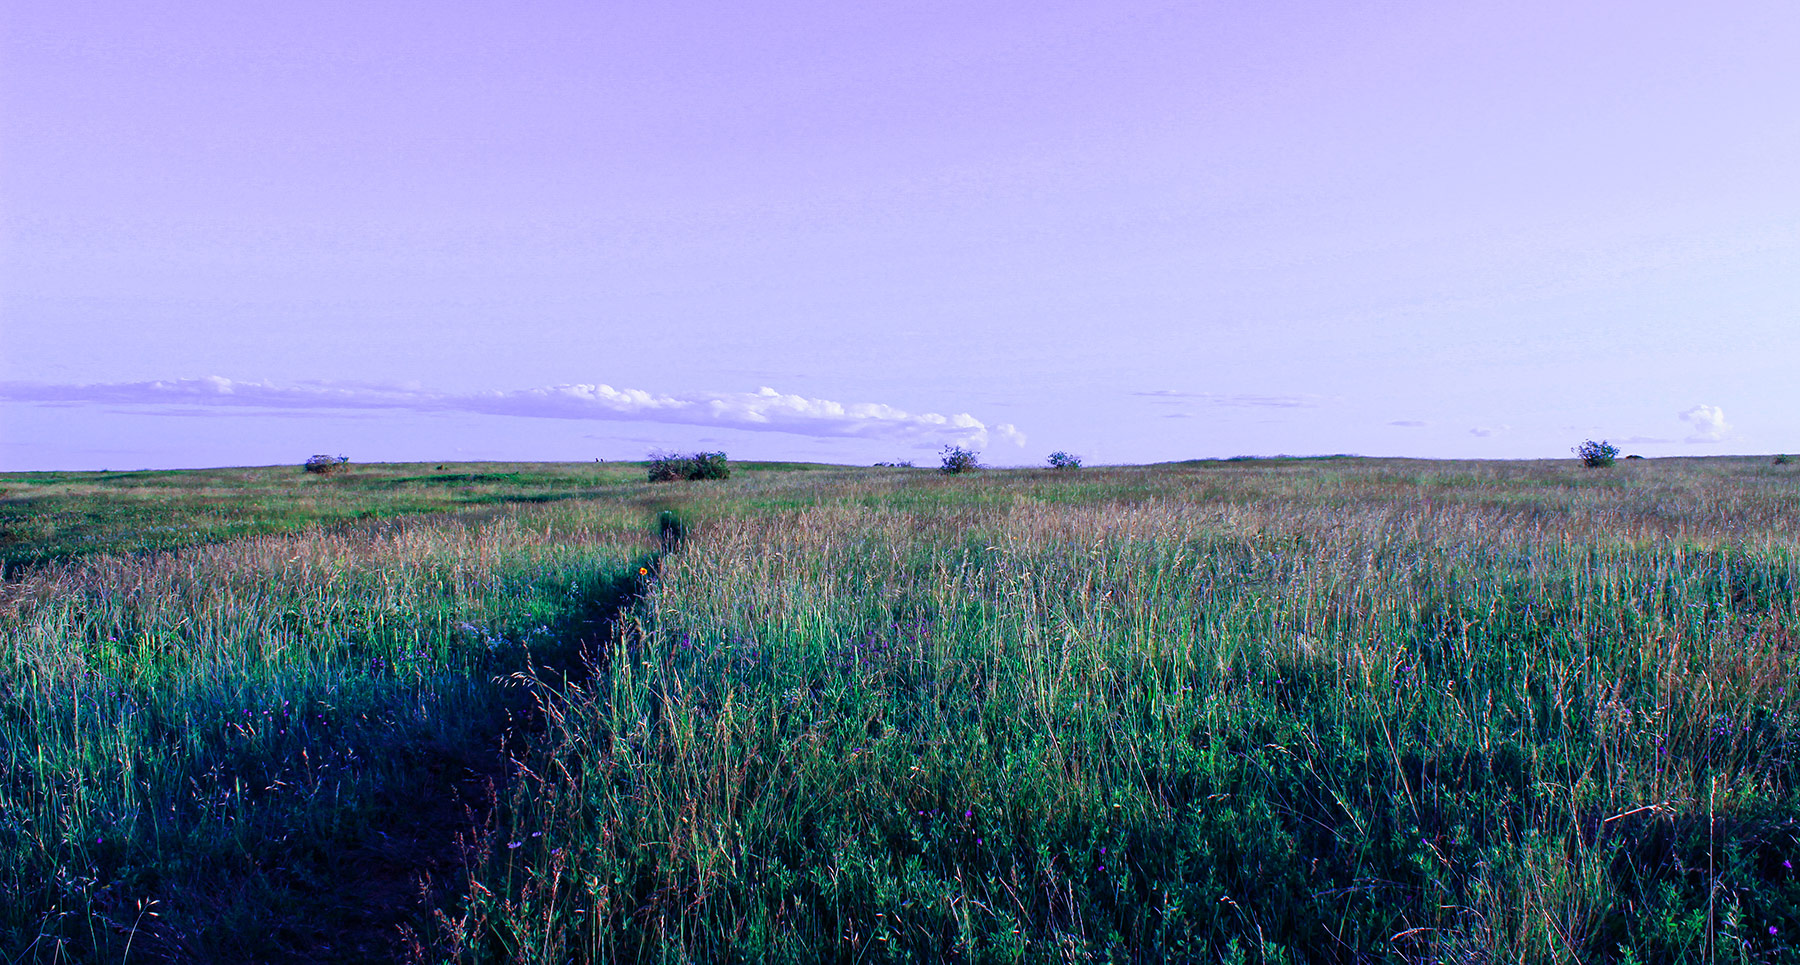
241 233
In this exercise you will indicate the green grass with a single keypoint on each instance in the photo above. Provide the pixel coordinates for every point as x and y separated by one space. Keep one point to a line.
243 733
1332 710
62 515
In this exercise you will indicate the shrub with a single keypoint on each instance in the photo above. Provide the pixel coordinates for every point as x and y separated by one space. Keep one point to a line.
902 464
1064 460
958 460
1783 460
708 465
326 465
1596 454
670 466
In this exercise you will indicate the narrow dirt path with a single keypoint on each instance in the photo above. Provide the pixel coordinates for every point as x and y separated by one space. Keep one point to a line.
368 902
375 901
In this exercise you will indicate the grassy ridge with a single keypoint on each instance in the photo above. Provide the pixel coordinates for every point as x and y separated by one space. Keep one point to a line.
48 516
1336 710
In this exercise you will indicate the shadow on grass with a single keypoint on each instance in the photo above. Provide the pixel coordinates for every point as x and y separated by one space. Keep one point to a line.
344 851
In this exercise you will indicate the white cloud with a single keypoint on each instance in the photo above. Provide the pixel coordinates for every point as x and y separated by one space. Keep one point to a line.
1409 423
765 410
1707 422
1486 431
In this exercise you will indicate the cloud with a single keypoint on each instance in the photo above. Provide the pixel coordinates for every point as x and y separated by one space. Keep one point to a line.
1010 433
1486 431
765 410
1707 422
1234 400
1409 423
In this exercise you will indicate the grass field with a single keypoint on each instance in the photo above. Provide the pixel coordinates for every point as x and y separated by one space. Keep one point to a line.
1337 710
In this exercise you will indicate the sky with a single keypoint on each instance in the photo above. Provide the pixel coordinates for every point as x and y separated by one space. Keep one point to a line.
243 233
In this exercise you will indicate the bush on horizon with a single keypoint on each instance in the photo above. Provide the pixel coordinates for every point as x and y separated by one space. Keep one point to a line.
1064 460
1596 455
670 466
958 460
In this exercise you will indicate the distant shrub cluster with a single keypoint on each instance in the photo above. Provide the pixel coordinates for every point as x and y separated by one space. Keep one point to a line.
902 464
1064 460
1595 455
958 460
670 466
326 465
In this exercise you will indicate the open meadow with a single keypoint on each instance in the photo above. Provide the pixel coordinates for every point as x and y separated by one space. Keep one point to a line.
1259 711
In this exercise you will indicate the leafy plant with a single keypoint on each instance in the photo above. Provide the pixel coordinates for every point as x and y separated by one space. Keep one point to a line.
1064 460
958 460
1783 460
670 466
709 465
1595 455
326 465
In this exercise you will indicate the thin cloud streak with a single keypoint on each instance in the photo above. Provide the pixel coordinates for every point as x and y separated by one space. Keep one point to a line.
1234 400
765 410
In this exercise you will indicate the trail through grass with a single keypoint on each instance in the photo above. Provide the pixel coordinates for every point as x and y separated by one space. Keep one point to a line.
273 740
1328 711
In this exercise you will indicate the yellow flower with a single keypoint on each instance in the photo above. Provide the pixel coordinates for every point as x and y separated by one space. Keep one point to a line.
643 571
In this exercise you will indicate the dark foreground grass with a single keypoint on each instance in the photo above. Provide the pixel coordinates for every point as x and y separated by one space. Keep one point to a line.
1301 711
265 750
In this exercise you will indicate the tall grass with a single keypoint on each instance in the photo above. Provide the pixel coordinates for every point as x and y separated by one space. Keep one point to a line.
1260 711
218 753
1303 717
